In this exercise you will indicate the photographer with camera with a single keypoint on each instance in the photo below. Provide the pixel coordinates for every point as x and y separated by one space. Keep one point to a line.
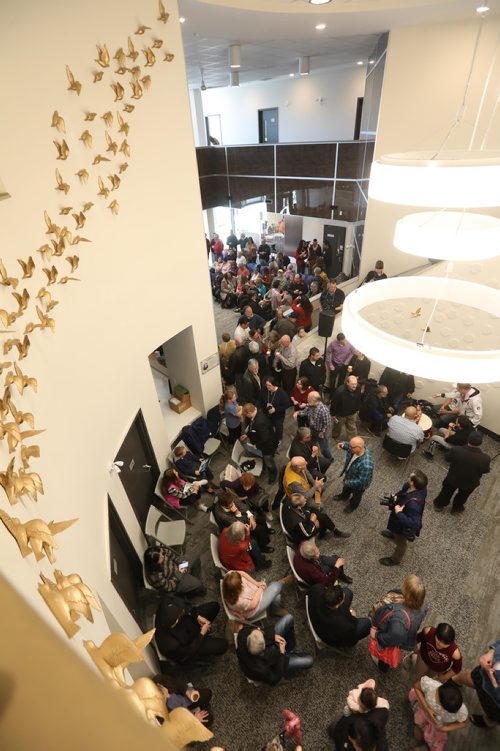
405 519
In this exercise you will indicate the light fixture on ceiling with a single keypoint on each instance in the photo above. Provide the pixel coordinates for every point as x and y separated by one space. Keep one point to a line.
319 2
448 235
203 85
304 65
456 179
482 9
320 26
292 75
360 62
371 62
235 78
420 358
235 56
182 19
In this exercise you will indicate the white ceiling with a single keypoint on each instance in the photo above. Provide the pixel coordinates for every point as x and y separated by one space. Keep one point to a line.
273 34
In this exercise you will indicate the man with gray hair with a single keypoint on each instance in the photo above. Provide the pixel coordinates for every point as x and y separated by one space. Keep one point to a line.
286 359
404 429
315 568
303 445
346 401
255 350
319 421
268 655
251 385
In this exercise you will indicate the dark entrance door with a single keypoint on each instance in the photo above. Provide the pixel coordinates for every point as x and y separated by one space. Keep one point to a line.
268 125
126 568
334 243
140 470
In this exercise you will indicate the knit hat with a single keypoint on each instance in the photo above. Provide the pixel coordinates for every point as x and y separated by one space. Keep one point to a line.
169 610
475 438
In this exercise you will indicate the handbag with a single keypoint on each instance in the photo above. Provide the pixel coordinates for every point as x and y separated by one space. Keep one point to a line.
389 655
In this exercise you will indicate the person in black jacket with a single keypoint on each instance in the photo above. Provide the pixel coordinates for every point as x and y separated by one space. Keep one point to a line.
375 411
405 519
267 655
303 522
303 445
399 384
238 361
313 368
467 465
346 401
361 731
332 617
251 386
259 438
184 635
275 402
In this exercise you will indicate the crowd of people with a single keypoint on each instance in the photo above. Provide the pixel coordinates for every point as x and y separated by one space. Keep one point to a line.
264 380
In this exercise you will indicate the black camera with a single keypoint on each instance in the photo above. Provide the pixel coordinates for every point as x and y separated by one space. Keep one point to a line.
388 500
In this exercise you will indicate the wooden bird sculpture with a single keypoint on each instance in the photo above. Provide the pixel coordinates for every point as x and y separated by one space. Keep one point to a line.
21 417
108 118
118 90
132 52
115 207
115 181
52 229
168 57
87 206
136 89
116 652
65 210
124 126
98 74
146 82
86 137
68 598
62 149
164 16
22 346
416 313
74 85
125 148
83 175
100 158
120 57
129 108
73 262
80 219
35 536
123 167
5 279
7 318
22 299
51 275
58 122
27 266
19 380
150 57
61 185
111 145
103 190
142 29
102 56
90 116
157 44
28 452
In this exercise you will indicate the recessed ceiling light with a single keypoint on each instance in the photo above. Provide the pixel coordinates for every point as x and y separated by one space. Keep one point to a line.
372 62
292 75
320 26
319 2
182 19
360 62
482 8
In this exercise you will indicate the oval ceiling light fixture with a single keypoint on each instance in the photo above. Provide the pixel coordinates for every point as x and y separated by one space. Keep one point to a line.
319 2
235 56
182 19
304 65
482 9
421 359
448 235
320 26
457 179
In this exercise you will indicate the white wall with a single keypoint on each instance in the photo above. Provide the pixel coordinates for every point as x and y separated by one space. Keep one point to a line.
425 75
93 372
301 117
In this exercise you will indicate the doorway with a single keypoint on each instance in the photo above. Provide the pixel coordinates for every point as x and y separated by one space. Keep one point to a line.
334 244
139 473
126 568
268 125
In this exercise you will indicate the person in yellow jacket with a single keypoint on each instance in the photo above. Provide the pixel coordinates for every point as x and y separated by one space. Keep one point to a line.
298 479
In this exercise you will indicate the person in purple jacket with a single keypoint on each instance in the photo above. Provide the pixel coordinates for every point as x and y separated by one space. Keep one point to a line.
315 568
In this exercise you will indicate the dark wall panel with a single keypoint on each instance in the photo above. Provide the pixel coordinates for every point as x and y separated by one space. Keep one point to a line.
246 188
214 191
350 201
354 160
211 161
306 160
312 197
250 160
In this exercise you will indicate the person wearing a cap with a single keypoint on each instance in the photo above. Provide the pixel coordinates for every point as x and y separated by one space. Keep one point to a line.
184 633
467 465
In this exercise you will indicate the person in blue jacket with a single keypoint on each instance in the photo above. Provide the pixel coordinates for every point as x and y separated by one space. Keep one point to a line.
485 679
405 519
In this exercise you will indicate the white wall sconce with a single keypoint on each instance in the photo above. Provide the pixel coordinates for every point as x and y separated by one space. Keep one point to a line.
114 468
235 56
304 65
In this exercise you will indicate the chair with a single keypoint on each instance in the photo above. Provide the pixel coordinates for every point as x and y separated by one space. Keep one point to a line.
233 618
211 446
223 433
214 548
237 458
319 643
289 541
172 533
401 450
301 585
182 512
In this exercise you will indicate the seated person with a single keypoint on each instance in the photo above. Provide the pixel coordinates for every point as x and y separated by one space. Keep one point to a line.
304 446
183 634
237 549
246 488
267 655
404 429
363 699
177 492
177 693
189 465
228 510
361 731
464 400
375 411
163 571
302 522
456 434
315 568
298 479
332 617
247 598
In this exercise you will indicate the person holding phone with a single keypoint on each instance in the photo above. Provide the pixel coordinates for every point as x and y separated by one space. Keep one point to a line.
169 572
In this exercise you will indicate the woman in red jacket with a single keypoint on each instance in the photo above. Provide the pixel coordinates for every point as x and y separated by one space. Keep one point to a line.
237 552
303 308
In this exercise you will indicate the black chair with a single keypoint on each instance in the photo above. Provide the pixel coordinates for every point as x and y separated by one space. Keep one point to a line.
400 450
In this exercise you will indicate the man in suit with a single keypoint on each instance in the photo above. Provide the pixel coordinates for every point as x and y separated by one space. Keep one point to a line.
275 402
251 386
467 465
332 617
259 438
